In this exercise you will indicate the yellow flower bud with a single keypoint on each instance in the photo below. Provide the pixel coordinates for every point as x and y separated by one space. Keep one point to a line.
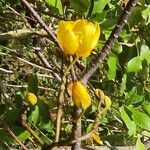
31 98
80 96
78 37
107 101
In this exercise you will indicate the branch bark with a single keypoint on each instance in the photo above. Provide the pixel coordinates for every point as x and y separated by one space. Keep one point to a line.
109 43
43 25
22 33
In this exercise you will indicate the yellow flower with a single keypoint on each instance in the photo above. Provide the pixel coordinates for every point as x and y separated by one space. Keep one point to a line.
31 98
78 37
80 96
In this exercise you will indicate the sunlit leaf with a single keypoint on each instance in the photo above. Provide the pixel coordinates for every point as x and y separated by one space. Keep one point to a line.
99 5
140 145
123 84
23 136
141 119
112 62
34 115
146 108
145 53
135 64
127 120
146 15
80 6
56 4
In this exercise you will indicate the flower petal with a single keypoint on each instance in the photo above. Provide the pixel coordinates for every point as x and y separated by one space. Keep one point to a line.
67 37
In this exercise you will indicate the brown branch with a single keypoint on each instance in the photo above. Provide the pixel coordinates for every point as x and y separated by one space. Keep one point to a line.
46 64
41 22
76 131
109 43
27 127
22 33
15 137
61 100
78 138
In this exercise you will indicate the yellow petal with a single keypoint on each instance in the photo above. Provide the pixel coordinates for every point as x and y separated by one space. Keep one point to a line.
78 37
31 98
88 35
97 138
67 38
80 96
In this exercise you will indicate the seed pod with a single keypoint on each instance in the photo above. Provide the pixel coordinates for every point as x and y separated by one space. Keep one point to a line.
80 96
31 99
107 101
100 94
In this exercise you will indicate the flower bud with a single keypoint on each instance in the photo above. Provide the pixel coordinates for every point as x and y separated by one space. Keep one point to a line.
31 99
80 96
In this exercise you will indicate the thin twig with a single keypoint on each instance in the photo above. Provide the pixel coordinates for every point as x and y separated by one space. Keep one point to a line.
16 138
28 128
61 100
41 22
22 33
109 43
26 86
48 67
50 141
5 71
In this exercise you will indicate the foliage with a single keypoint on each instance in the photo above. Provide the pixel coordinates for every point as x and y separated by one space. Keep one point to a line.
124 76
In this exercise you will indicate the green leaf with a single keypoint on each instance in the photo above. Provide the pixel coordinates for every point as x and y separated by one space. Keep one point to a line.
117 48
80 6
34 115
123 84
145 53
33 84
129 123
133 98
47 127
55 6
146 133
135 64
99 5
44 111
23 136
140 145
146 108
112 62
12 116
5 136
99 17
141 119
146 15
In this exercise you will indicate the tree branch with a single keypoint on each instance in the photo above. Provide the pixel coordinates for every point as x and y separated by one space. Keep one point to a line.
109 43
21 33
41 22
